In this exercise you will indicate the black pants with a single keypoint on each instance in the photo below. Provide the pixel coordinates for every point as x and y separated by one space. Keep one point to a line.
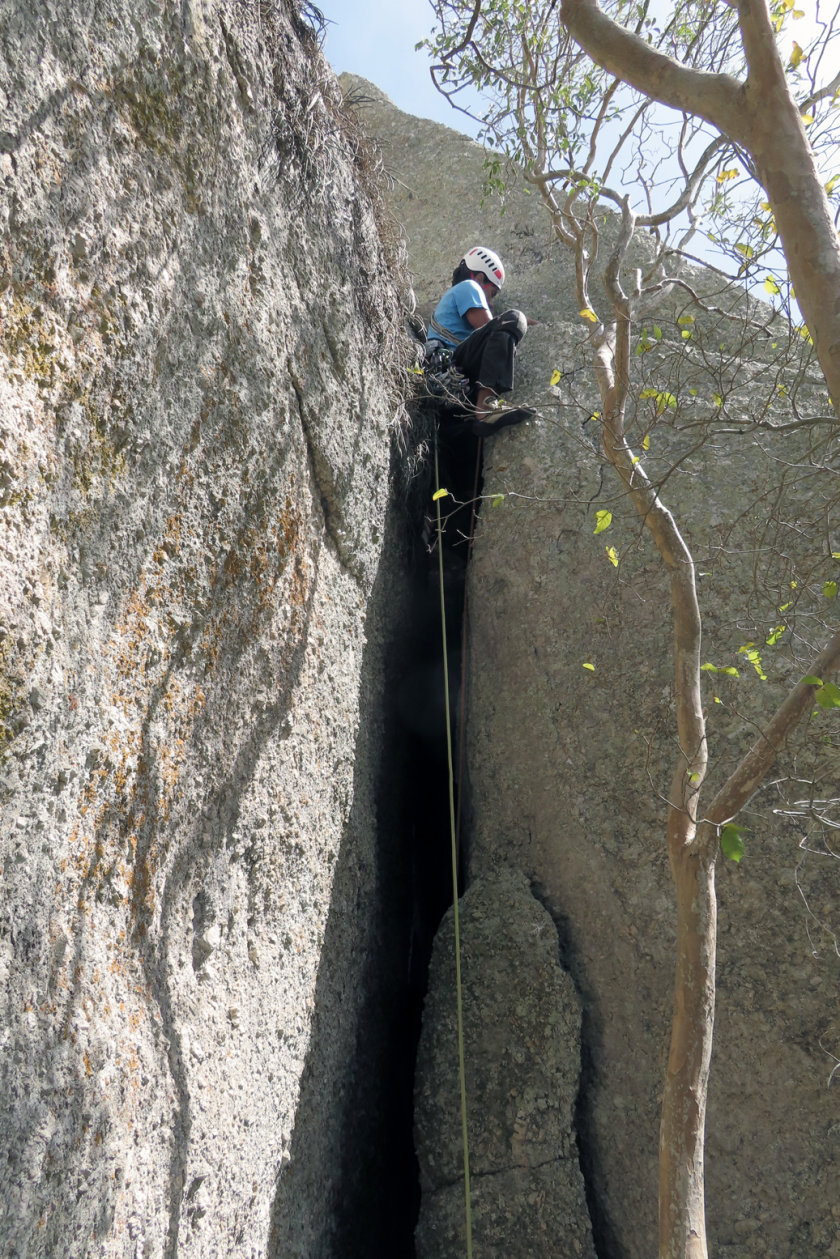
486 357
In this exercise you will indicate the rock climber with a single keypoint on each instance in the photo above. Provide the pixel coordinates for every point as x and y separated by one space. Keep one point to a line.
484 345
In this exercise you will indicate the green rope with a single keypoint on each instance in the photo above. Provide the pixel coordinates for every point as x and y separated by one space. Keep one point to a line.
454 874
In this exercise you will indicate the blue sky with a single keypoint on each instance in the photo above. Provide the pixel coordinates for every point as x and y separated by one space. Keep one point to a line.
376 38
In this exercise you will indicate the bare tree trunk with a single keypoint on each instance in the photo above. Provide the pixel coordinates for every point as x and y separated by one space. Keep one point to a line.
682 1206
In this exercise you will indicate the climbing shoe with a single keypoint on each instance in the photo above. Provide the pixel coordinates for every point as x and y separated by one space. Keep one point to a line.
501 419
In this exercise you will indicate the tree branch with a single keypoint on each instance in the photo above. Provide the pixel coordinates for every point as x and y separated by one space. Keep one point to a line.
748 776
718 98
688 193
766 72
820 95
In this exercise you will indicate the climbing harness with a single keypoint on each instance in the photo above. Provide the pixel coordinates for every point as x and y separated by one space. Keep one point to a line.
454 870
442 380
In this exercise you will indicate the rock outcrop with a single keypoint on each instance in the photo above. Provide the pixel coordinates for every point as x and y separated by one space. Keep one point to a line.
569 767
522 1060
197 356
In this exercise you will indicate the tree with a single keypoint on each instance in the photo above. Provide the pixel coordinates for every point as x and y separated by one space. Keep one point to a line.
570 96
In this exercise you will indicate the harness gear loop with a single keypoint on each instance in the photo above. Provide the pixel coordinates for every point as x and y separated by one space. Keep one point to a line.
454 872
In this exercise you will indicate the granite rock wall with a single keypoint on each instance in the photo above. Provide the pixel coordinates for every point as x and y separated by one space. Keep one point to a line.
199 582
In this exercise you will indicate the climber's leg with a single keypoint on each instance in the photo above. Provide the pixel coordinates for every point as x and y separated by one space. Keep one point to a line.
487 356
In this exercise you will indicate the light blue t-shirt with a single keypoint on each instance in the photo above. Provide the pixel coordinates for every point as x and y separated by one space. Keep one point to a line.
449 322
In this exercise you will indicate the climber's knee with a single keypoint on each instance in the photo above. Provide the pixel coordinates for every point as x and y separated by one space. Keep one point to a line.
514 323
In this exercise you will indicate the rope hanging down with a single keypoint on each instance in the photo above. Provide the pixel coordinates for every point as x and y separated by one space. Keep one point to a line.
454 870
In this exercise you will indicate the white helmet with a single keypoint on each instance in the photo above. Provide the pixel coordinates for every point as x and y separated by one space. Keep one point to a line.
485 260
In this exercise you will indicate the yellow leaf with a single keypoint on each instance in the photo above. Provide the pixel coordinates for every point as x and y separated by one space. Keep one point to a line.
612 556
831 185
556 377
439 494
807 119
724 175
771 286
589 314
589 666
717 701
765 205
635 460
646 442
796 55
603 520
797 14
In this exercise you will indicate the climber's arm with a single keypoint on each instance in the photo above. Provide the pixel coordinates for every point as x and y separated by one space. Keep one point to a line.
477 316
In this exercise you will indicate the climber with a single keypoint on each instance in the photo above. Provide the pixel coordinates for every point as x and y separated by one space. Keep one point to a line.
484 346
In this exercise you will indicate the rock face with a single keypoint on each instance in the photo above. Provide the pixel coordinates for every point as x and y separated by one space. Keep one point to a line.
568 767
196 350
522 1057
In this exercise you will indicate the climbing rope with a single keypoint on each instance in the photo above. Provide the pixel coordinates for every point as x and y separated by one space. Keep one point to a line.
463 724
454 869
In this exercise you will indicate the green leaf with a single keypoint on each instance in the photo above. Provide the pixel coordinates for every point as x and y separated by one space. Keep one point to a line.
775 635
657 332
717 399
708 668
497 500
685 319
439 494
603 520
810 680
731 670
828 696
830 590
731 842
649 393
589 666
754 656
